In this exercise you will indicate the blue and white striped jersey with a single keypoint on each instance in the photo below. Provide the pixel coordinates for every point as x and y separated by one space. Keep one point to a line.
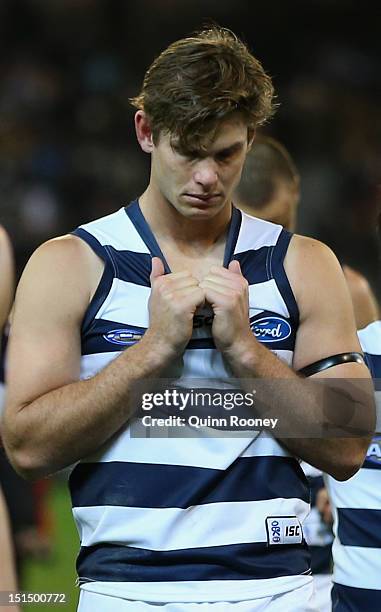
357 512
169 519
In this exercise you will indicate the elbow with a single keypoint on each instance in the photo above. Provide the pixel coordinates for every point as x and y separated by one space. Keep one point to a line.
27 463
350 461
343 472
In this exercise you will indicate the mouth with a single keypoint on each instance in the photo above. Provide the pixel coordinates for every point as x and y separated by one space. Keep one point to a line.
202 198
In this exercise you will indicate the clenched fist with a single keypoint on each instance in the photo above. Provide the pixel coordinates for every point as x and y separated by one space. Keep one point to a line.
172 304
227 292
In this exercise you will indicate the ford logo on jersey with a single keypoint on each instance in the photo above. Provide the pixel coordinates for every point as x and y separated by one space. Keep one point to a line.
123 336
271 329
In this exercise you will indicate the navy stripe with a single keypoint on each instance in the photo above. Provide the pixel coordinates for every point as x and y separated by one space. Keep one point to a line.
132 267
351 599
136 217
316 483
107 562
232 237
374 364
358 527
321 559
373 457
147 485
201 343
253 265
103 337
105 283
278 272
371 464
98 337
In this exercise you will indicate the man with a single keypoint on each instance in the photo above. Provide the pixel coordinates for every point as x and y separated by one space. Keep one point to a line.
270 185
204 520
356 507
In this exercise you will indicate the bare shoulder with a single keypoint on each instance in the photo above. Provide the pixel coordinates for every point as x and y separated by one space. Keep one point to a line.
63 252
62 271
327 324
314 272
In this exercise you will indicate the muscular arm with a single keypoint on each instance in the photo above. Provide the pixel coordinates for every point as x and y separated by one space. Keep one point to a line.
52 419
326 328
6 277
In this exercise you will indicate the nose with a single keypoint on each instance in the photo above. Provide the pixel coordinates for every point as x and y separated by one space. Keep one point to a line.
205 172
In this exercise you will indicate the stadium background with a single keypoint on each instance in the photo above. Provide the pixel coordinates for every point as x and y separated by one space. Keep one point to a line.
68 152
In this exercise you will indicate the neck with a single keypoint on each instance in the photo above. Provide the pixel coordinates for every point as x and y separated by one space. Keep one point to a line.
168 224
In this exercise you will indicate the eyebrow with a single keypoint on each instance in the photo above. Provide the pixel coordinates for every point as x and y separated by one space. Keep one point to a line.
236 146
233 148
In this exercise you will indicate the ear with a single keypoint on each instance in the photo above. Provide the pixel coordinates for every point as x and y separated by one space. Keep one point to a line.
143 131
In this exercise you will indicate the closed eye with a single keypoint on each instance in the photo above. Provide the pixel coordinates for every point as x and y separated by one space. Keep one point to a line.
226 154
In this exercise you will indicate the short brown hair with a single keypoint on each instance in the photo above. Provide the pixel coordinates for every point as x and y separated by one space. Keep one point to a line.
199 81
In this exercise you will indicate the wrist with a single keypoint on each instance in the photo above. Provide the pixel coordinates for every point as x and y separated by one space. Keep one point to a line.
159 350
243 353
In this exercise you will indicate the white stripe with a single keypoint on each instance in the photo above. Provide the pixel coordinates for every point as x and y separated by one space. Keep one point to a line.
118 231
265 446
284 355
204 364
370 338
233 523
210 591
218 454
310 470
256 233
126 303
356 566
92 364
362 491
266 296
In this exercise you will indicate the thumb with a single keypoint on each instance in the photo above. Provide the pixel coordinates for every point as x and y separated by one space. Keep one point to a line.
235 267
157 268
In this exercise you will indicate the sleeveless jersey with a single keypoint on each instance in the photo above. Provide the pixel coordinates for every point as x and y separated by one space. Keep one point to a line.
356 507
170 519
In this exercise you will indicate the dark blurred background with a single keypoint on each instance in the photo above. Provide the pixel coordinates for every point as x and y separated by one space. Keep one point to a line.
68 152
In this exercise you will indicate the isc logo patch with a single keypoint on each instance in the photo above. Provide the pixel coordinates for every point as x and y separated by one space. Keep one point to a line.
271 329
283 530
123 336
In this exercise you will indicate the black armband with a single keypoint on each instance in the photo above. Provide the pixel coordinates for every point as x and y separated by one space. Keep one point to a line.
330 362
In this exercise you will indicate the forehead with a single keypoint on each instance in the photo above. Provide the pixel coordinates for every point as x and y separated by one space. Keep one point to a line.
228 132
